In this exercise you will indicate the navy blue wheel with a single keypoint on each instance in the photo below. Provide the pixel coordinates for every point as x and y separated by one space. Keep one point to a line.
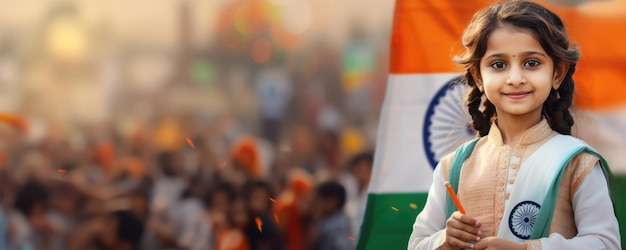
447 122
523 218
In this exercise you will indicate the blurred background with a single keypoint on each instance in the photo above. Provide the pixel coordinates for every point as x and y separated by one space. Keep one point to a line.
188 124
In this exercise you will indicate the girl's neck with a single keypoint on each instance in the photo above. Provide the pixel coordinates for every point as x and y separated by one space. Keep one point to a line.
513 127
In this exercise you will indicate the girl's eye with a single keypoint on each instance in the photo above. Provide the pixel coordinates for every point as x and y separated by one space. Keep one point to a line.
498 65
531 63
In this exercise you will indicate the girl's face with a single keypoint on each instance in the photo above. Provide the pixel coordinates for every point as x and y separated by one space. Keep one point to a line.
516 73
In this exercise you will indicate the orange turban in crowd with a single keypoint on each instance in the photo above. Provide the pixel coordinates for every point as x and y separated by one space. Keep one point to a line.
245 153
15 120
105 153
300 181
287 212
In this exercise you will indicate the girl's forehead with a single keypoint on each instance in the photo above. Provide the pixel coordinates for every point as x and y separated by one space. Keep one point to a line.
514 28
509 39
503 29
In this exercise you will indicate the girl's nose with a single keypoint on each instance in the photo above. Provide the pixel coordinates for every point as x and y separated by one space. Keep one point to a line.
516 76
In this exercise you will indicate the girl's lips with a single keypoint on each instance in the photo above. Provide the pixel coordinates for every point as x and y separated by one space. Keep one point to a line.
517 95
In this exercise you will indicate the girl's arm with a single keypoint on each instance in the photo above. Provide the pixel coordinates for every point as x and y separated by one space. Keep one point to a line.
429 227
595 219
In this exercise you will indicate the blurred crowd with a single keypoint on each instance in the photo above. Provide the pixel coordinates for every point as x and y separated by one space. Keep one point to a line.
285 164
258 139
159 189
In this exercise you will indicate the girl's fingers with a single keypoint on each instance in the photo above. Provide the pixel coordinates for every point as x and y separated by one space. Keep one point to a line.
466 219
461 229
462 235
456 243
459 225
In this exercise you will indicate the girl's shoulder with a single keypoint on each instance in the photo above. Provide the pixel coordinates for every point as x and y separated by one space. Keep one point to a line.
579 167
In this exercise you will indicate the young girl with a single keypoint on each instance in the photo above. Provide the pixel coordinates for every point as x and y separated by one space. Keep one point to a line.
525 184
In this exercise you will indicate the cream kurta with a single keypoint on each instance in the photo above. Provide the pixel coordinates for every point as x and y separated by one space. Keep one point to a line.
583 217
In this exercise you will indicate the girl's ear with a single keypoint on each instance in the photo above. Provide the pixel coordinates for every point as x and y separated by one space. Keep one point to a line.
559 74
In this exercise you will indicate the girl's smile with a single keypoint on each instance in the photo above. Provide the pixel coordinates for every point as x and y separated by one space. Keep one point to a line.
517 95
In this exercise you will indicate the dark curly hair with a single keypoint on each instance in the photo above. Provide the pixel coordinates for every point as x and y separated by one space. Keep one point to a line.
549 30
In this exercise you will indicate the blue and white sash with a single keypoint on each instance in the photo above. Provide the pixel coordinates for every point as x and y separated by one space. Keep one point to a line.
528 212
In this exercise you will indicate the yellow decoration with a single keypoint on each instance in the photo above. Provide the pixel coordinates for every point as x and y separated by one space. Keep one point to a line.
352 141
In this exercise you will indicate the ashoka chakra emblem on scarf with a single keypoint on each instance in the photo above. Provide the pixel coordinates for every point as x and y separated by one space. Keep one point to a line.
522 219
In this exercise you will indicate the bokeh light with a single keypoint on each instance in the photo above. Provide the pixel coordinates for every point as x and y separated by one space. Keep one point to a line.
296 17
66 40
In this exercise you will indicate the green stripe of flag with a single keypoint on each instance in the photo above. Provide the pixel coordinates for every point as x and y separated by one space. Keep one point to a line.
618 190
389 219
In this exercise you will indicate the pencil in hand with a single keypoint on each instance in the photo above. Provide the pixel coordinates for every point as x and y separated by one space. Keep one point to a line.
454 197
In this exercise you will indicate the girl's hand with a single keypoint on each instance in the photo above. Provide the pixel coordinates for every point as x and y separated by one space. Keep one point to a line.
498 243
462 231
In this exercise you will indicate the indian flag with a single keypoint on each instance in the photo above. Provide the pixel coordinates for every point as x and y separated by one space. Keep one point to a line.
423 117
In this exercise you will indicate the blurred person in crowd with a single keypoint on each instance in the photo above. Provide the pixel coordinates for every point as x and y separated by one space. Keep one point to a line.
232 236
329 153
168 184
30 225
209 158
6 196
33 165
4 229
134 166
128 230
197 153
273 89
139 206
119 229
302 148
360 168
167 190
193 225
332 231
65 201
192 156
261 230
138 202
245 159
103 173
218 203
291 208
105 153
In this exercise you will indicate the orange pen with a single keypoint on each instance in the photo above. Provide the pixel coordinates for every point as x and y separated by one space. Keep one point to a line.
454 197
